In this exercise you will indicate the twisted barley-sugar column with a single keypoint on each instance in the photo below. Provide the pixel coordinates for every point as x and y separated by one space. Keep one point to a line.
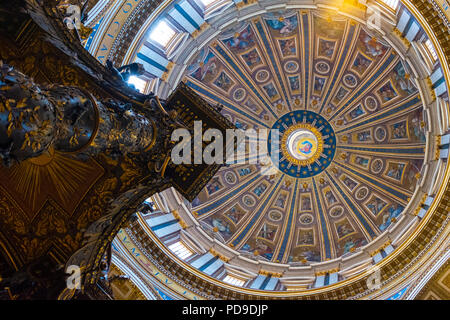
34 120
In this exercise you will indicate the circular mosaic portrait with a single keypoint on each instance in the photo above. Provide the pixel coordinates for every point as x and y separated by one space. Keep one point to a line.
291 67
275 215
306 218
322 67
262 76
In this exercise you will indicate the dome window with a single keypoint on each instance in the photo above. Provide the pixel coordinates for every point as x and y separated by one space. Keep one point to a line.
162 34
430 49
233 281
180 250
138 83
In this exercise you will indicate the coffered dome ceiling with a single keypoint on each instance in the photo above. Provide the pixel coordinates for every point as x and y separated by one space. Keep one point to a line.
352 93
358 109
